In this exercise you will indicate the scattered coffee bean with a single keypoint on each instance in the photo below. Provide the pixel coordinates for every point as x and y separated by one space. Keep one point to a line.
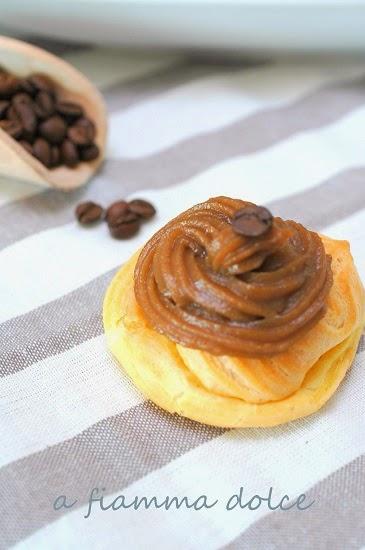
91 152
12 127
53 129
30 110
42 151
69 109
69 153
116 212
122 221
125 226
252 221
4 105
89 212
142 208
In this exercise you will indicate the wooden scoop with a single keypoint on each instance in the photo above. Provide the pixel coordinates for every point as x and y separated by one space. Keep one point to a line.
22 59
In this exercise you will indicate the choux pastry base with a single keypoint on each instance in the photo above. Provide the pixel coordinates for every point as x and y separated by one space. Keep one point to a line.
240 391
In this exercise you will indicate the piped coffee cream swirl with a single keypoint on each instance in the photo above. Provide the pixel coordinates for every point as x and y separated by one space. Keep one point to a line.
206 286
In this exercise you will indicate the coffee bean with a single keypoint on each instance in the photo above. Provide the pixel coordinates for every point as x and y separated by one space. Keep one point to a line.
69 109
42 151
11 114
26 86
116 212
55 156
21 97
88 125
69 153
252 221
4 105
79 135
41 82
44 105
124 230
126 227
27 117
90 152
121 221
142 208
9 85
89 212
53 129
27 146
12 127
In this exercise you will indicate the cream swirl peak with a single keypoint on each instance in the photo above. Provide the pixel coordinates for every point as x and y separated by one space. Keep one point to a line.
205 286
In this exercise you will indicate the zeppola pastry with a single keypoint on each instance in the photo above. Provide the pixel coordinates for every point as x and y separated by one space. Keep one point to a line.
235 318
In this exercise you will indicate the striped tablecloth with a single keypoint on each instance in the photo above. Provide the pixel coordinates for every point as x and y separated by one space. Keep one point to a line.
290 135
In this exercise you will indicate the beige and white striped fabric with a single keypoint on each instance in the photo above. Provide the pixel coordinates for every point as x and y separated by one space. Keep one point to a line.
290 135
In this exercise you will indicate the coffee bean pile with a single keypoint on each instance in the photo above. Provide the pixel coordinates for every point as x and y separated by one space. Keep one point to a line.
55 132
123 218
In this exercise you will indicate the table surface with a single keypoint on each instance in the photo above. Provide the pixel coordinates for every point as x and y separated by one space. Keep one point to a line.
245 25
287 134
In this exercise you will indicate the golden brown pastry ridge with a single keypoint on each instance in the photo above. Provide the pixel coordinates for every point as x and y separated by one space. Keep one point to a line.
240 391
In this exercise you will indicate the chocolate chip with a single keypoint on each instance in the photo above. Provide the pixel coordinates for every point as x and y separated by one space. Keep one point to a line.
252 221
53 129
41 82
42 151
9 85
89 212
44 105
116 212
69 153
142 208
27 146
69 109
12 127
4 105
90 152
